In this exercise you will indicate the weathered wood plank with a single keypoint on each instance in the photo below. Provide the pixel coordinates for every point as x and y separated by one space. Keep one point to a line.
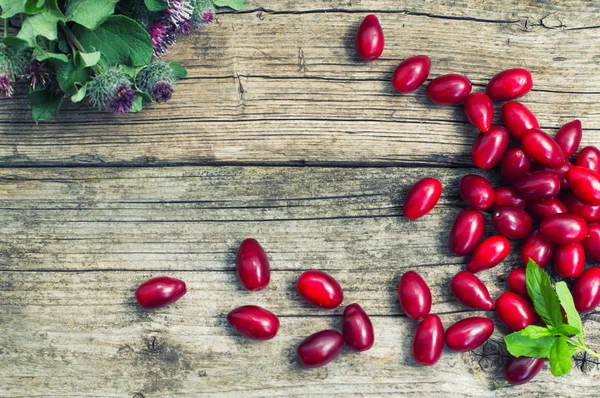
285 88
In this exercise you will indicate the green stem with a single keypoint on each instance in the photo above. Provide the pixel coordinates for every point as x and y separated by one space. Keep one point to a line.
582 347
73 42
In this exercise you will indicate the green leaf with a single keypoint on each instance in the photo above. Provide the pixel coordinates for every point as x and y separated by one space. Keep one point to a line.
90 13
137 103
15 42
179 70
560 357
518 344
10 8
535 332
44 105
43 24
566 301
542 294
84 60
40 54
69 77
235 4
156 5
120 39
33 7
567 330
79 95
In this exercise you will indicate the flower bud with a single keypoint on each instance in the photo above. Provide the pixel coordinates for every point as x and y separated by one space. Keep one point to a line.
111 90
158 80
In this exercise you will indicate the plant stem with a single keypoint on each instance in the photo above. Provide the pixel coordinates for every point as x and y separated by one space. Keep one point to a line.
75 43
582 347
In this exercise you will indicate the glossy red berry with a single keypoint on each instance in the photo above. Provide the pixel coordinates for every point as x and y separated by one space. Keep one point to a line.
470 291
564 228
522 369
589 157
320 289
411 74
514 311
476 191
357 328
586 290
518 119
542 148
488 148
569 260
449 89
590 213
428 341
469 333
585 183
252 265
422 198
369 39
569 137
538 185
414 295
514 165
541 209
160 291
560 171
512 222
254 322
320 348
510 84
489 253
537 248
516 282
592 242
466 232
480 111
506 195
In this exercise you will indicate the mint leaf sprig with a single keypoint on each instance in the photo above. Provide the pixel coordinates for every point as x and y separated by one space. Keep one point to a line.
558 341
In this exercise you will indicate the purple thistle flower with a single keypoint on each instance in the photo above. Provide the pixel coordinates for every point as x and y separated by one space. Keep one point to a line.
37 73
6 89
208 17
184 29
179 11
162 92
122 102
162 37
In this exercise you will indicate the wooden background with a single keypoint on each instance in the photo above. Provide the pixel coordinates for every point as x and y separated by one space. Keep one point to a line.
279 133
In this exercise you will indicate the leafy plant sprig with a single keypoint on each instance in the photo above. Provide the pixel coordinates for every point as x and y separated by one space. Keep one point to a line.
104 52
558 341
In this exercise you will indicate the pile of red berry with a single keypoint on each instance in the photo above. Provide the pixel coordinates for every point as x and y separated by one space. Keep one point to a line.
541 185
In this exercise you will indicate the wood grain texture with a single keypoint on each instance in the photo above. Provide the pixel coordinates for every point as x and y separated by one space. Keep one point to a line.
76 242
280 84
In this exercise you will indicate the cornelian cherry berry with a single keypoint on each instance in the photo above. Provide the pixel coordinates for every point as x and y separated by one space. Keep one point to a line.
369 39
411 74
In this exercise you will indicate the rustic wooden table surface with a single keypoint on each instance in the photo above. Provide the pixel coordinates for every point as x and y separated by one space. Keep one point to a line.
279 133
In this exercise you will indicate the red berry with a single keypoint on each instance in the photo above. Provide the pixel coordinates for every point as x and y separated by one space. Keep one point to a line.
538 249
542 148
254 322
590 213
518 119
428 340
411 74
586 290
569 260
320 289
357 328
585 183
512 222
469 333
422 198
507 196
160 291
449 89
592 242
488 148
589 157
466 232
469 290
320 348
560 171
564 229
514 311
538 185
414 295
516 282
480 111
522 369
369 39
515 164
569 137
489 253
541 209
476 191
510 84
252 265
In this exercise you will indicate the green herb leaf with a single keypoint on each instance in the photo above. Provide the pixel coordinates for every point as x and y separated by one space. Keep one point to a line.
156 5
137 103
44 105
567 330
542 294
179 70
120 39
235 4
15 42
69 77
84 60
566 301
519 344
40 54
535 332
90 13
79 95
10 8
43 24
560 357
33 7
